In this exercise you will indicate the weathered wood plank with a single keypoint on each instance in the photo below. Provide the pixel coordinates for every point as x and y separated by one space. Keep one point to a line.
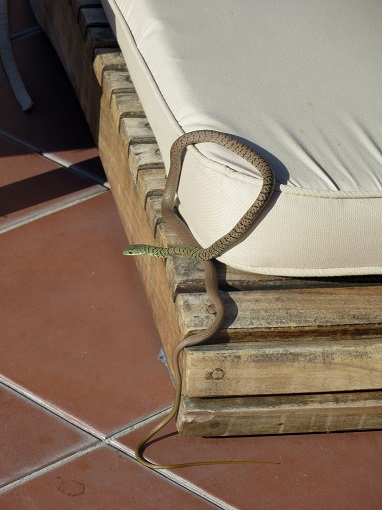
138 227
116 81
288 414
150 183
186 276
162 235
107 59
80 4
137 130
274 308
101 37
274 368
125 105
91 17
318 312
144 156
165 237
153 212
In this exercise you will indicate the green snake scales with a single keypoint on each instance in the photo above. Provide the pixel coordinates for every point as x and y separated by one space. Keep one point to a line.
192 249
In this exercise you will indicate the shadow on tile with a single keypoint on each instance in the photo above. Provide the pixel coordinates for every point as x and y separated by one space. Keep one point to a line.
56 124
38 189
21 18
30 183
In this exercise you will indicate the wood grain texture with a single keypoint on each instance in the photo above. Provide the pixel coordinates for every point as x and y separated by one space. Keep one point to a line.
274 368
287 414
305 334
275 313
187 277
91 17
137 226
116 82
144 156
137 130
107 59
125 105
101 37
77 5
150 183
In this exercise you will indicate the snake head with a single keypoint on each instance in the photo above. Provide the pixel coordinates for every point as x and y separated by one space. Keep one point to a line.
135 249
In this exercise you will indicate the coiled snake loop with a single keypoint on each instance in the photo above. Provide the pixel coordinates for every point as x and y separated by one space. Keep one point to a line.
192 249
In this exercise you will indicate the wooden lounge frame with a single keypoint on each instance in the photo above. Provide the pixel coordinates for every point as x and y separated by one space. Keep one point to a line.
295 355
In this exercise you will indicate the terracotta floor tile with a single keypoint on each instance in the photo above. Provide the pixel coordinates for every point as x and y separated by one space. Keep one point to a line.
32 437
77 330
30 183
55 125
101 479
323 471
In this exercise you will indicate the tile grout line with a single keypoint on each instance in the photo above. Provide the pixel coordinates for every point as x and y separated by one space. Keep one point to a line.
68 418
50 408
29 218
110 441
75 167
17 141
138 424
80 453
168 475
50 467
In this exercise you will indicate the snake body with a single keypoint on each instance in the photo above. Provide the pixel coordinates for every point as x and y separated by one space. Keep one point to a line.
242 226
192 249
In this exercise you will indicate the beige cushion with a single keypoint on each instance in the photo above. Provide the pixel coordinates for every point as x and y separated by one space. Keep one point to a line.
298 80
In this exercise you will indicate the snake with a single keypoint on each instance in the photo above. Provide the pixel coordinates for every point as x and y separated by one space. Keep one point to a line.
192 249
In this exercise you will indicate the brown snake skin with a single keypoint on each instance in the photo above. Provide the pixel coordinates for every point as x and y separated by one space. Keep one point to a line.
216 249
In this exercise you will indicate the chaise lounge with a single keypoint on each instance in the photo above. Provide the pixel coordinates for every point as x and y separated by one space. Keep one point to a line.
301 346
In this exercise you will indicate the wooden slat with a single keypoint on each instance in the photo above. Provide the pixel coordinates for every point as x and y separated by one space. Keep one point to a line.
107 59
323 315
150 183
137 130
273 368
250 314
91 17
117 81
125 105
138 226
161 235
101 37
289 414
186 276
144 156
153 212
80 4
